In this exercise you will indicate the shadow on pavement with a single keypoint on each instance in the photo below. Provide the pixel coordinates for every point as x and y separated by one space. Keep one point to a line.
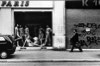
12 56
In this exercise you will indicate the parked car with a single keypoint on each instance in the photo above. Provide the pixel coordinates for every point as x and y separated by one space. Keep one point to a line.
7 46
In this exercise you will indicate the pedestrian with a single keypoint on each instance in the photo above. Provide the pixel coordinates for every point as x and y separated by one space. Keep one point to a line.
22 35
27 35
17 35
75 41
27 31
48 37
41 35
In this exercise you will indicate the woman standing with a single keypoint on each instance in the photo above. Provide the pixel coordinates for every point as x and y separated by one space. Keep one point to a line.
27 35
17 35
41 35
48 37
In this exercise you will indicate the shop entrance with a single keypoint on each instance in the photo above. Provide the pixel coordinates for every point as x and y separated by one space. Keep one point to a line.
34 20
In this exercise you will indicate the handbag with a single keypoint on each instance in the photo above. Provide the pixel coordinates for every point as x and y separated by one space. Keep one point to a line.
78 44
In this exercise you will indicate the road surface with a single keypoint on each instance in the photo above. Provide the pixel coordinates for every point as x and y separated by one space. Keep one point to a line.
52 64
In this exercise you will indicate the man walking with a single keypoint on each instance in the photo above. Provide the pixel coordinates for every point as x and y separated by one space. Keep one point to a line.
75 41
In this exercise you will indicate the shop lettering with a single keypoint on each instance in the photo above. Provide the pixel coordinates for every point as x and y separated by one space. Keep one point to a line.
94 2
16 3
84 2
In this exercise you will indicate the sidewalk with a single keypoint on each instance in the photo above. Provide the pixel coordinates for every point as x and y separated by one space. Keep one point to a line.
49 55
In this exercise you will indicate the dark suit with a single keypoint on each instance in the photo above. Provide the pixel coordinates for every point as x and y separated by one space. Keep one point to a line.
74 40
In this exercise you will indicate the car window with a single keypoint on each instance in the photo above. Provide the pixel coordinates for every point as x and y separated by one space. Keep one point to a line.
2 39
7 38
11 38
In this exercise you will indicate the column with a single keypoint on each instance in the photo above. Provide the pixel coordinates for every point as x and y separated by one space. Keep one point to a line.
6 21
59 24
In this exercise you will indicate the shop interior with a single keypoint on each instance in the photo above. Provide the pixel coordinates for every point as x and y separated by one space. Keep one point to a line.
33 20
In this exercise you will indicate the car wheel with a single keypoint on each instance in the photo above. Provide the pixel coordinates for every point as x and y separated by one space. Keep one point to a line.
3 54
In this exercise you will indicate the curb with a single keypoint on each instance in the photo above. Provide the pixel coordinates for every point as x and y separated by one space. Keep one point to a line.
31 48
51 48
48 60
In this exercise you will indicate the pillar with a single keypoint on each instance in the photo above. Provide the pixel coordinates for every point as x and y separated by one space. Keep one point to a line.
59 24
6 24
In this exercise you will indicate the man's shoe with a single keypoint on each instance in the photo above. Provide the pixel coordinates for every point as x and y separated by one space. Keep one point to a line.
80 51
70 51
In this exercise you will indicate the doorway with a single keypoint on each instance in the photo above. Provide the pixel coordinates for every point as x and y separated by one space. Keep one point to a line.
33 20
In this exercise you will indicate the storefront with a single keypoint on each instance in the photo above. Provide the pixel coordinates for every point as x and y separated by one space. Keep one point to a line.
84 15
62 16
34 14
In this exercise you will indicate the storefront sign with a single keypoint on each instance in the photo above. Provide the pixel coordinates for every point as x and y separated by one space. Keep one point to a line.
30 4
86 4
94 2
14 3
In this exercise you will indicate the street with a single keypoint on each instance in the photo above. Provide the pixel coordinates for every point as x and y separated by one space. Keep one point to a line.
52 64
47 57
46 54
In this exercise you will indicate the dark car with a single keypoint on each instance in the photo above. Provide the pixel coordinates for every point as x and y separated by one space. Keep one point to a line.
7 46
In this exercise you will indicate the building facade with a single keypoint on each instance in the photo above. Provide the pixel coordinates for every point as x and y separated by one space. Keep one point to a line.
34 14
63 16
83 15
